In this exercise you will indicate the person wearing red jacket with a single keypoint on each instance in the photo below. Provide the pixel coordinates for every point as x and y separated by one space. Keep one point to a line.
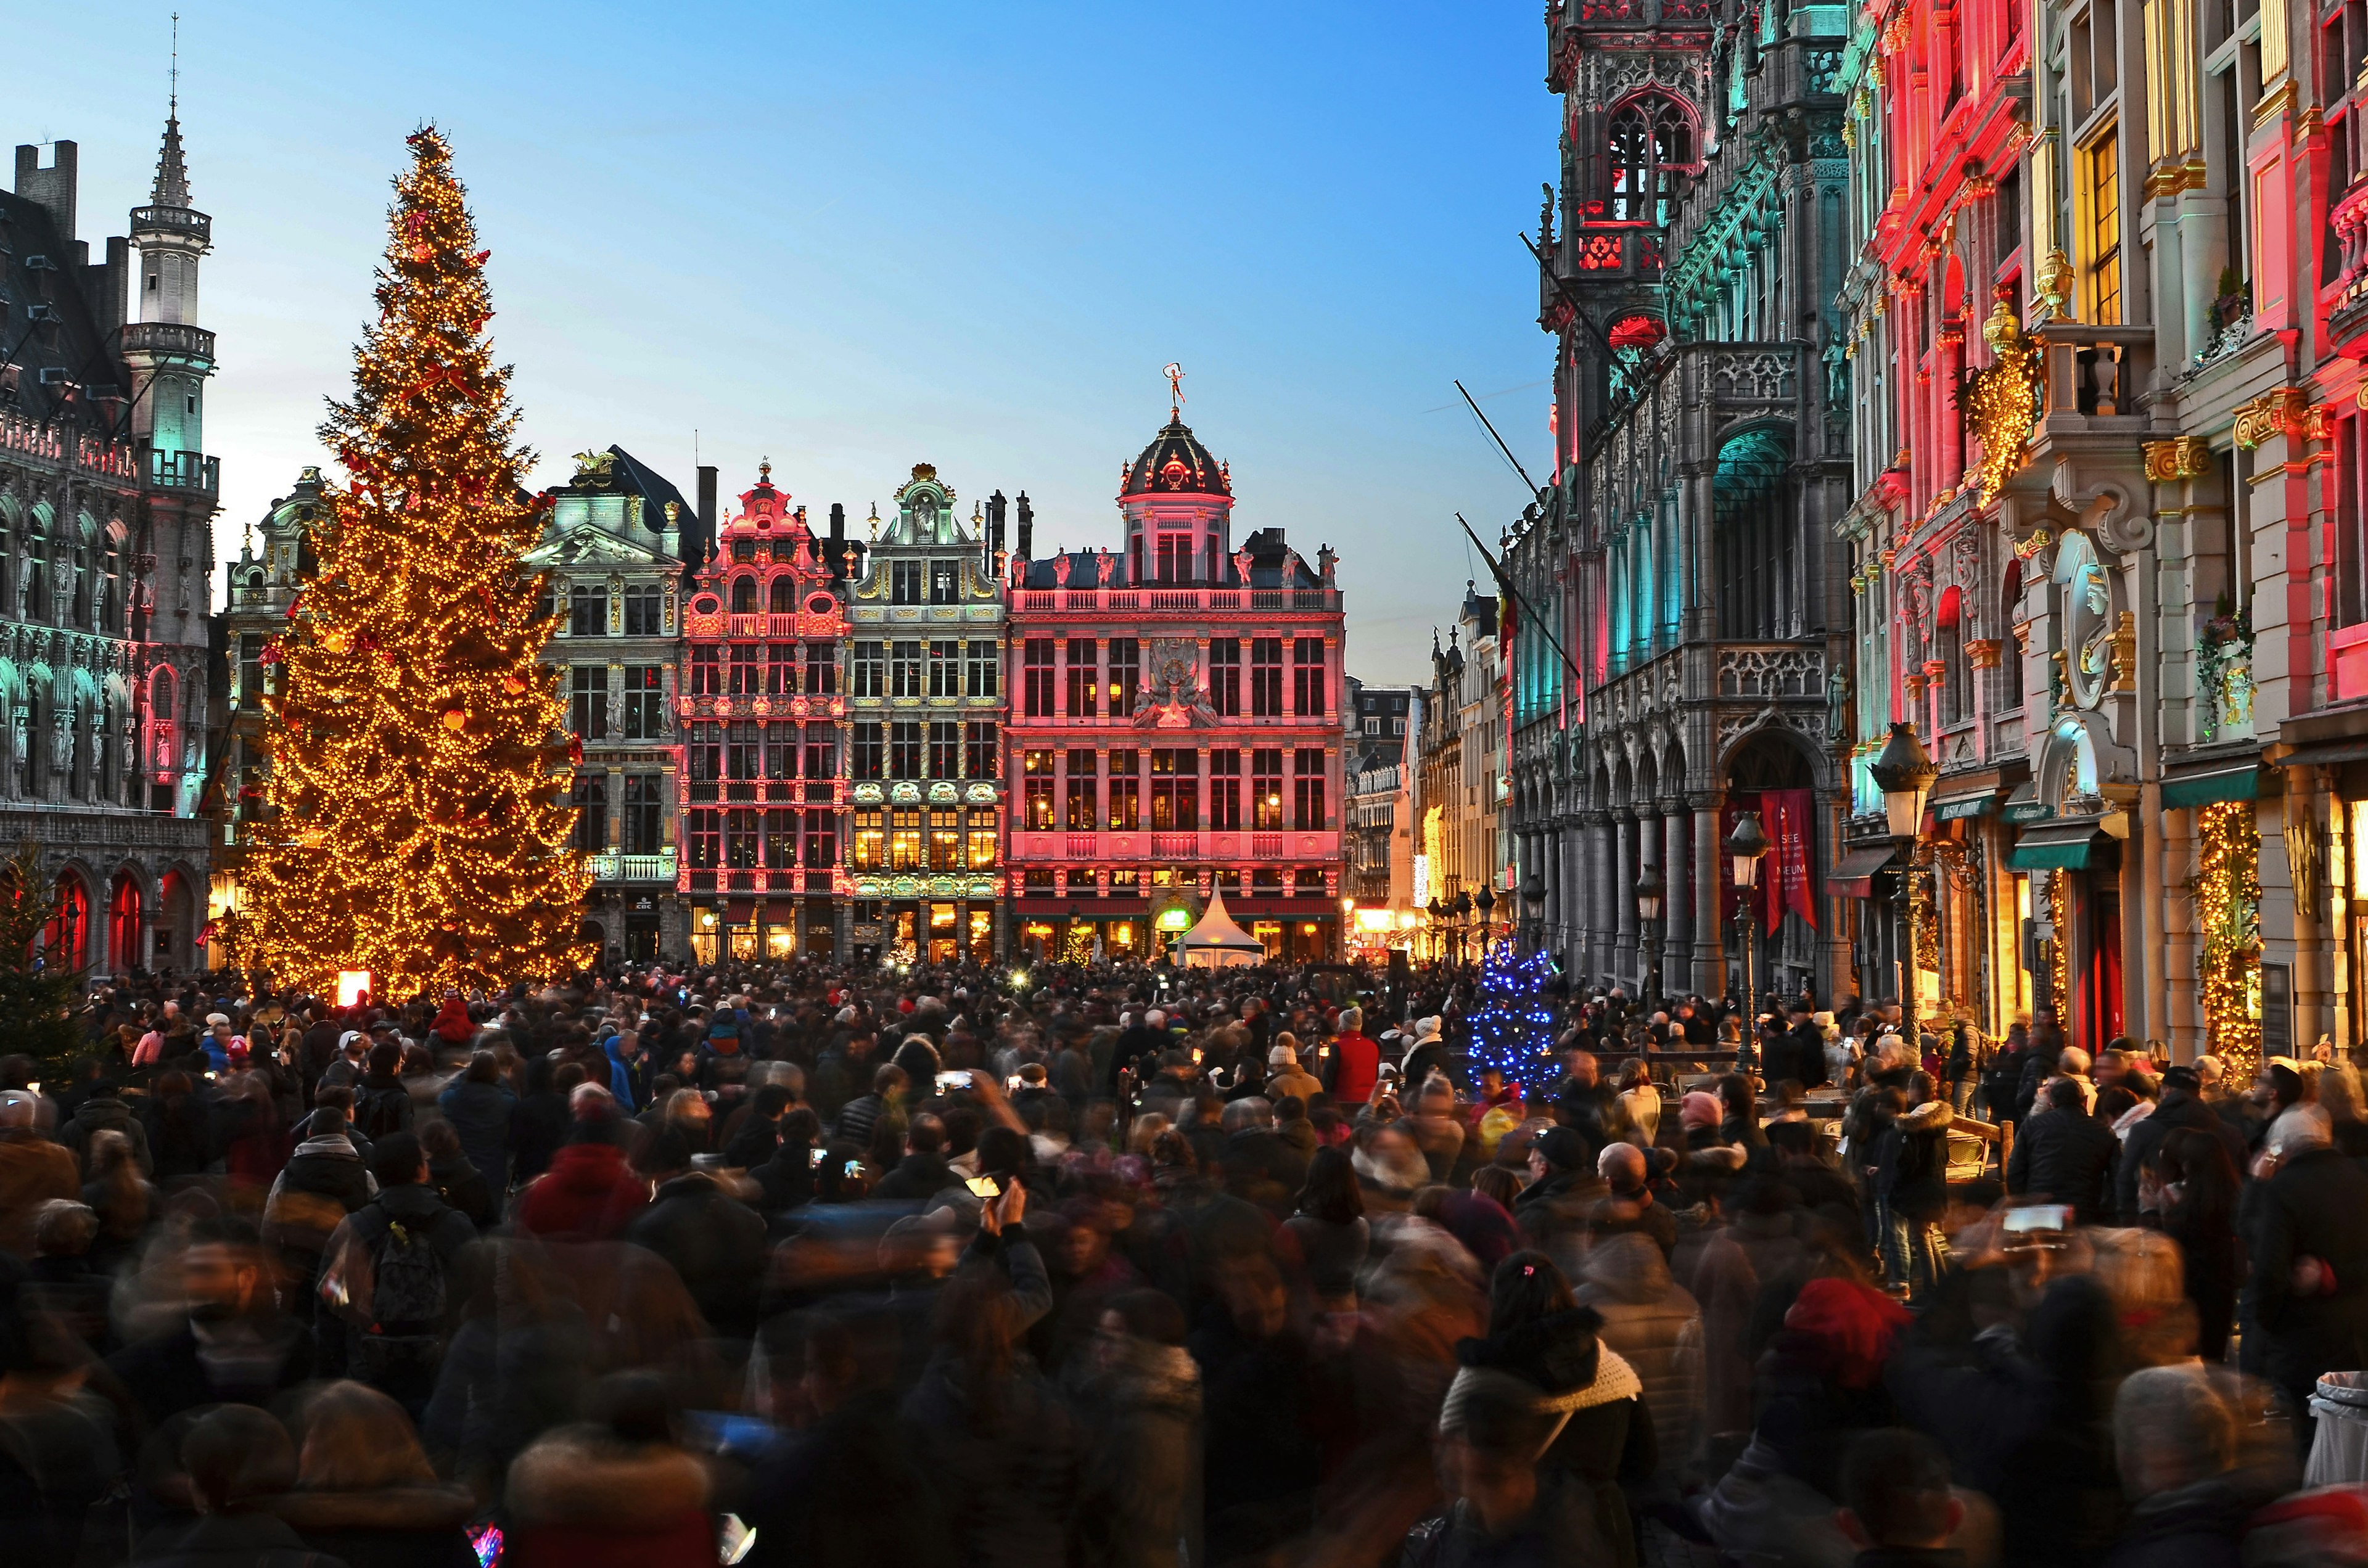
1356 1061
589 1194
453 1026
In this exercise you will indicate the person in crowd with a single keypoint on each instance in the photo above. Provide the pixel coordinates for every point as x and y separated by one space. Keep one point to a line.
615 1489
2065 1155
364 1490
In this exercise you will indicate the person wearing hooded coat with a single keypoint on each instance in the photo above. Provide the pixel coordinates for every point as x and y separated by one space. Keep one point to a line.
2309 1277
483 1110
1604 1439
1655 1325
1139 1390
365 1491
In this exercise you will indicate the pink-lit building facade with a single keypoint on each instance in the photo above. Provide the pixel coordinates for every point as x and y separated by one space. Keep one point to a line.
1173 724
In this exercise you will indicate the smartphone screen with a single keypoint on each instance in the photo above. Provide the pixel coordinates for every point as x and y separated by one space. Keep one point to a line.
816 1160
2039 1217
984 1187
854 1169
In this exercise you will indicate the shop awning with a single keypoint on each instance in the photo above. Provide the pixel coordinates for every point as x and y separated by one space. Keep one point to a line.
2242 783
2327 753
2055 847
1853 874
2025 805
1957 808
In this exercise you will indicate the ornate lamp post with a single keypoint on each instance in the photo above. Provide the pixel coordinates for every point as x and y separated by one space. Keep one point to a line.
1462 920
1649 888
1534 903
1747 846
1486 903
1905 775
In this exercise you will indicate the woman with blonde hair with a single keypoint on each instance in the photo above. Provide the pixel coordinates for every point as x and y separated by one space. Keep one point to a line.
365 1492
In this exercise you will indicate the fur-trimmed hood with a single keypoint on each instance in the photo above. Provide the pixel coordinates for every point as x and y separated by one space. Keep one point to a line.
1932 1115
580 1475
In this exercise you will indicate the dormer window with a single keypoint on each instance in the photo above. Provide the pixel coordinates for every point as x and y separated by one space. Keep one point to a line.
905 583
945 583
1652 137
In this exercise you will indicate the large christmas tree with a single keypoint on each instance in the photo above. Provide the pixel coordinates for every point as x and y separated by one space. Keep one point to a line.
418 824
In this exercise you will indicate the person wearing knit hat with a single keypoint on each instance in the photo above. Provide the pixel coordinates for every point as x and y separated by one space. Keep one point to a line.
1699 1115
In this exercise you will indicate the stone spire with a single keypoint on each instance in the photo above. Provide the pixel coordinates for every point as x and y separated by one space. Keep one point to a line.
172 189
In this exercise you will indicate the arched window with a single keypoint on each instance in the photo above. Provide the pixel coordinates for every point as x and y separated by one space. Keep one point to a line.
1948 648
1651 136
123 923
785 596
2011 654
65 940
743 595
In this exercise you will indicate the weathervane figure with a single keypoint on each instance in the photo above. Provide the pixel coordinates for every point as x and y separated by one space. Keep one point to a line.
1175 374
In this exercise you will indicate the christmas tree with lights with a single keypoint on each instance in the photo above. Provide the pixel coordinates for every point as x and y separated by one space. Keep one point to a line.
1512 1020
417 821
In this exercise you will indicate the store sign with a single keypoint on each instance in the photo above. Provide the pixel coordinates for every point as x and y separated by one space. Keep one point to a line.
1421 881
1177 919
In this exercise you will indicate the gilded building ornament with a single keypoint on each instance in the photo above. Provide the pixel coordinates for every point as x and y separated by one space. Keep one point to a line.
1983 653
2001 402
2126 653
2280 410
2183 457
2054 283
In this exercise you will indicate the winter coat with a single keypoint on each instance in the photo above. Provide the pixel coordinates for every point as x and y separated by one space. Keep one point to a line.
2068 1155
463 1188
180 1136
580 1498
1356 1063
230 1540
1654 1325
382 1105
2177 1109
715 1244
1139 1485
166 1376
2194 1527
482 1115
1556 1532
32 1171
321 1184
1912 1162
915 1178
106 1113
2311 1207
1290 1081
587 1196
1002 1460
1331 1253
813 1497
394 1526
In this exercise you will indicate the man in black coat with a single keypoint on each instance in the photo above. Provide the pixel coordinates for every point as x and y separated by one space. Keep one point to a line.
235 1346
2182 1105
1804 1050
2310 1265
922 1173
714 1241
2066 1154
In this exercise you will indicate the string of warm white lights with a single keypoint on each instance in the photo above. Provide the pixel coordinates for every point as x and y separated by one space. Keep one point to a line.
418 823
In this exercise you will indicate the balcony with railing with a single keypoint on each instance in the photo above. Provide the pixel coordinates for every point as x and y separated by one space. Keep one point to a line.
2347 297
1227 846
1174 598
609 866
169 340
183 470
180 220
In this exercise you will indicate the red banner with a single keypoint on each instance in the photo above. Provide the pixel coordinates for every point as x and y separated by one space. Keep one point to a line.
1788 817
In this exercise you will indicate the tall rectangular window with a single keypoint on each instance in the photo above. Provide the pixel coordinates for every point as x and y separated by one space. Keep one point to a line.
1038 674
1307 678
905 839
871 670
871 755
644 611
1125 675
1226 791
781 838
2105 229
1175 558
781 669
822 751
945 748
705 835
744 839
945 668
1226 676
744 752
870 850
250 670
703 754
945 839
904 749
1307 790
1266 678
588 702
706 672
1125 791
780 750
1081 677
1175 790
1079 810
982 835
905 582
1036 791
644 703
645 813
945 582
591 801
821 840
904 669
587 609
748 670
979 750
1265 789
979 659
821 670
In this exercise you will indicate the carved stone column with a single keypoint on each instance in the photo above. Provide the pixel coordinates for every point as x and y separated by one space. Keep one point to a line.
1710 956
1677 928
1622 895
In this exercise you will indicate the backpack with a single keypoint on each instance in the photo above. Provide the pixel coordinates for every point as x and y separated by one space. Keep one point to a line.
401 1339
378 1112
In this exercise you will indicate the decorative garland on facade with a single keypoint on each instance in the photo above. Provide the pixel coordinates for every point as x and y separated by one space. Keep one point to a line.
2000 403
2223 672
2059 916
2226 890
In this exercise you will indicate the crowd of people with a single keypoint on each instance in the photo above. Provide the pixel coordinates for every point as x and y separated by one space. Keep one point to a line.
1120 1266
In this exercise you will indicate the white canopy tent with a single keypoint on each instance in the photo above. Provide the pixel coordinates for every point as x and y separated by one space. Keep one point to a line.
1216 942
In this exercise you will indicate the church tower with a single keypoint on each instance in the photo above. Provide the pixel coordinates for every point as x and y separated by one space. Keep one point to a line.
169 353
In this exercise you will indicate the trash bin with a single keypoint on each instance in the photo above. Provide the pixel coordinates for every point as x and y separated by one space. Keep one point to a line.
2339 1452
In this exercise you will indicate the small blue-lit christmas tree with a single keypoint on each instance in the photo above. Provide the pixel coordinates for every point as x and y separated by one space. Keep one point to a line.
1512 1026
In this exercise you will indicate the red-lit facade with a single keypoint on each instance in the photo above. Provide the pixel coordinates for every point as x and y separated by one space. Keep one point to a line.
760 702
1173 723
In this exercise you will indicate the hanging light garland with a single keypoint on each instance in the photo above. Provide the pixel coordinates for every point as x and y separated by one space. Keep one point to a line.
2227 894
2000 403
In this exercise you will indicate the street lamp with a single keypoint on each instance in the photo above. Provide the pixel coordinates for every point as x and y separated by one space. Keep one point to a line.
1905 775
1463 917
1534 903
1747 846
1486 903
1649 888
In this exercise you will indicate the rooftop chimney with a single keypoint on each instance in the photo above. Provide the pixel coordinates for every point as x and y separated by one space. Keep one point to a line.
707 527
53 187
1027 529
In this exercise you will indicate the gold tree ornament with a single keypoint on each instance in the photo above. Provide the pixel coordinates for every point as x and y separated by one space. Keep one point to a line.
418 824
2001 401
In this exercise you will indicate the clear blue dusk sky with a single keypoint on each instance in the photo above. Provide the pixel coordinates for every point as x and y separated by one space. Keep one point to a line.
856 236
